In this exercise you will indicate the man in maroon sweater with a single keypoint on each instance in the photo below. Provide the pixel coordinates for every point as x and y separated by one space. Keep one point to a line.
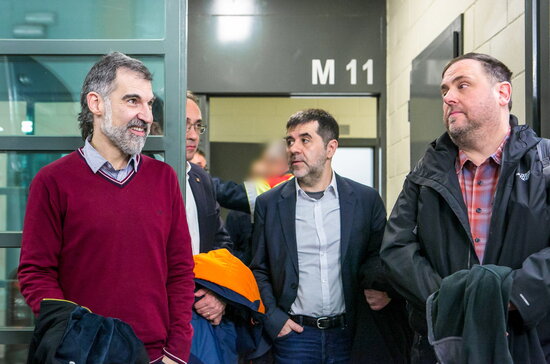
105 226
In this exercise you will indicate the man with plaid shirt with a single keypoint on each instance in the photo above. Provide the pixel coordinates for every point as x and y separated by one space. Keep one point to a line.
478 196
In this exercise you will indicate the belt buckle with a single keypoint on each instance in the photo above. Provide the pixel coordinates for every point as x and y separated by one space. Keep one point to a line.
320 325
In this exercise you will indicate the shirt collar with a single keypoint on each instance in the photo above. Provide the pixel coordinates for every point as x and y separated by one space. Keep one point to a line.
331 188
96 161
496 156
187 168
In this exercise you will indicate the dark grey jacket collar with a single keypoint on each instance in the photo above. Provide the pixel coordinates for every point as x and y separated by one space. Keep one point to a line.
439 159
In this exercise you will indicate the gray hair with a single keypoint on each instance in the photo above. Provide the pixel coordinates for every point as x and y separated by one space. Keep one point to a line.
191 96
101 79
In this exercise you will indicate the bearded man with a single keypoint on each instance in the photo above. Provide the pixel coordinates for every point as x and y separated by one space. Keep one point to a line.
316 240
105 226
477 202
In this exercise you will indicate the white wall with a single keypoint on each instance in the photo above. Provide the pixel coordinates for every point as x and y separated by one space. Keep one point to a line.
495 27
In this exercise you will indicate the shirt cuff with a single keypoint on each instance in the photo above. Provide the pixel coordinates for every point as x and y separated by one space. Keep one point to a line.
173 357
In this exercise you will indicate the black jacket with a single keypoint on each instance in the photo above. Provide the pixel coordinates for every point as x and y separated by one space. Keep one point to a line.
239 226
66 332
211 229
275 262
231 195
428 235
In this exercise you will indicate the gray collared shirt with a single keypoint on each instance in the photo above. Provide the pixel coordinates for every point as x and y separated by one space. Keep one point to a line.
320 289
96 162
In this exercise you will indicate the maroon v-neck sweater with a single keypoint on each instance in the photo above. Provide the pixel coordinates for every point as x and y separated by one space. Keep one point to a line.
121 249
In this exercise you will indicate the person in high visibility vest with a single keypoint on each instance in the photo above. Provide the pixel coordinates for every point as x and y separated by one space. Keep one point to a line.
267 172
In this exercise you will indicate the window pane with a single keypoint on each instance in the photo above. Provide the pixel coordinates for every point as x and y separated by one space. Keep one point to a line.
155 155
356 163
13 354
14 311
17 170
100 19
41 95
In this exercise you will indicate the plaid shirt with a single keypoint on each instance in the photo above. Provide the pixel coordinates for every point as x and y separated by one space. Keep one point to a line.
478 185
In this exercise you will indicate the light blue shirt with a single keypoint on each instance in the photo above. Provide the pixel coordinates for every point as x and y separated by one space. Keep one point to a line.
96 162
320 288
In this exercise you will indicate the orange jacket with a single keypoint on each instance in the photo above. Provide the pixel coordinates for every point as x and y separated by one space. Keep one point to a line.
224 269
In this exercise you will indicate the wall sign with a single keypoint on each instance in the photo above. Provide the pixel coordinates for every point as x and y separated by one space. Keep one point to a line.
323 73
272 47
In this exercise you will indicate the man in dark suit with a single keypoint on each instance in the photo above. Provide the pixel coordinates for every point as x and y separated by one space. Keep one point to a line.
203 212
316 241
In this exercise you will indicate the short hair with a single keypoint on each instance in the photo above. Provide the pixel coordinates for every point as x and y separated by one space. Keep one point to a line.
101 79
201 152
494 68
191 96
327 128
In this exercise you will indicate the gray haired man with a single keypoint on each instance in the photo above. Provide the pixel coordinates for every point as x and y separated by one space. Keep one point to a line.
105 226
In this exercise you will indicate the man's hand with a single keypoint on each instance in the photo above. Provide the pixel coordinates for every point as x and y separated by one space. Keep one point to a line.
167 360
377 300
290 326
209 306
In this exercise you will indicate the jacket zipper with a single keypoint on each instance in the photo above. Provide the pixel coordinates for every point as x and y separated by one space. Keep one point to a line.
468 233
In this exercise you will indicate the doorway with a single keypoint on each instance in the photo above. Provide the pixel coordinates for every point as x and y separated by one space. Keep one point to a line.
239 127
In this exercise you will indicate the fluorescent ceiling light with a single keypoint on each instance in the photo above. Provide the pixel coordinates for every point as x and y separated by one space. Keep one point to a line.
234 28
233 7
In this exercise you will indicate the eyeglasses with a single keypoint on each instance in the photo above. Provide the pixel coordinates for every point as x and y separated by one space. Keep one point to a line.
199 128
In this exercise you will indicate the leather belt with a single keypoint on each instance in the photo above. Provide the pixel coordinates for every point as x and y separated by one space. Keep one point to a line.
322 323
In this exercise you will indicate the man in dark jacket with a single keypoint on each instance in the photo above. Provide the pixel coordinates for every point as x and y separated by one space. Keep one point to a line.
316 240
203 211
478 196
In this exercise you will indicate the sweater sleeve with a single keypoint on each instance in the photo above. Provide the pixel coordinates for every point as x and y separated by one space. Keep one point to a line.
41 243
180 284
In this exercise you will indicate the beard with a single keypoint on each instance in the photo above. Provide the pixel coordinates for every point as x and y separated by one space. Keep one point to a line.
465 136
309 174
120 136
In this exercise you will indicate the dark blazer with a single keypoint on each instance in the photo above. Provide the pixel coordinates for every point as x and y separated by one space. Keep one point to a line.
211 229
275 262
239 226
